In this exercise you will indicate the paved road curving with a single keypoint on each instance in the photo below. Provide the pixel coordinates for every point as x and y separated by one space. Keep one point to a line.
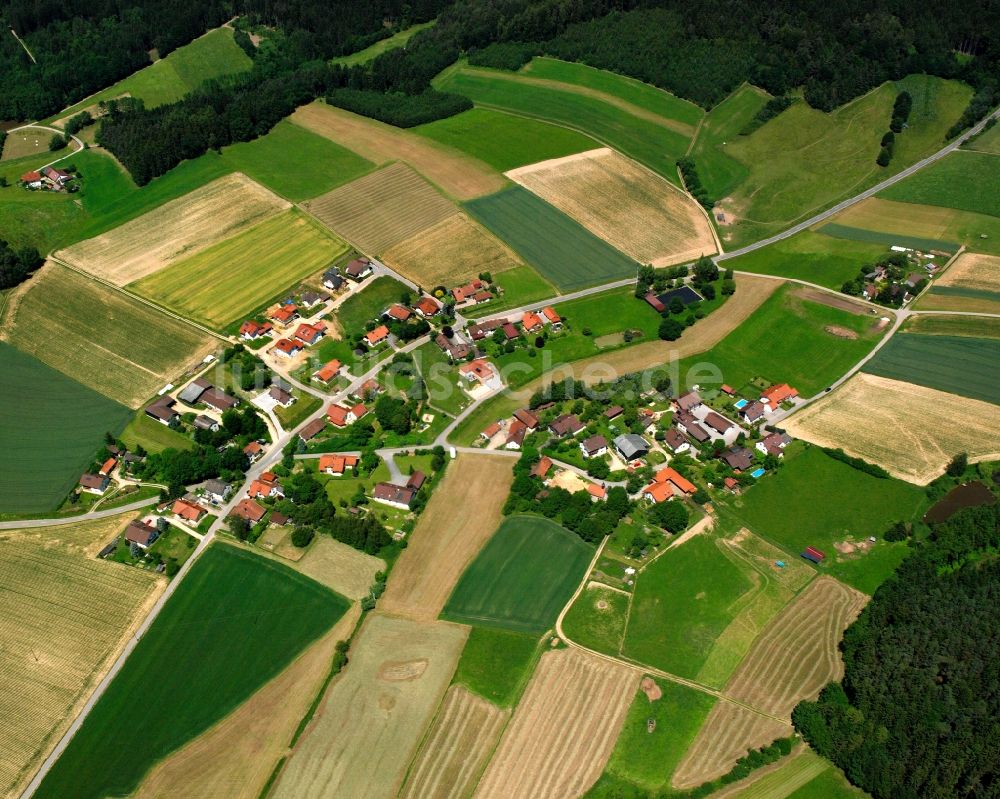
83 517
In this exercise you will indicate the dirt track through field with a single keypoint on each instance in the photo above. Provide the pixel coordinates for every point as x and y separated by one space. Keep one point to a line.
460 518
460 175
623 203
175 230
791 660
929 427
456 749
563 730
235 757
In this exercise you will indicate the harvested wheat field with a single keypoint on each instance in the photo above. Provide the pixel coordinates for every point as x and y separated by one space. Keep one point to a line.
371 721
444 542
111 342
175 230
623 203
451 252
64 617
380 210
460 175
235 757
456 748
343 568
925 436
973 271
563 730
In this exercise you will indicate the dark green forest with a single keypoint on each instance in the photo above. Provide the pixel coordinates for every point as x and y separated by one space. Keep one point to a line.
918 712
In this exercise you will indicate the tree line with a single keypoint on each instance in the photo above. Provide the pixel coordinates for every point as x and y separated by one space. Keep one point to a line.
17 264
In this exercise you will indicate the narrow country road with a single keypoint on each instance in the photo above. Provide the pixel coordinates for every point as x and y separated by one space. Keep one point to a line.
83 517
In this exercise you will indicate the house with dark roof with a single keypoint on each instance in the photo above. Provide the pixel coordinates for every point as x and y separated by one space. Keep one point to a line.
280 396
191 393
311 299
613 412
594 446
566 425
94 483
250 510
687 423
332 279
527 417
687 402
754 412
738 459
358 269
631 446
141 534
218 399
217 491
162 410
515 434
394 495
718 423
774 444
313 429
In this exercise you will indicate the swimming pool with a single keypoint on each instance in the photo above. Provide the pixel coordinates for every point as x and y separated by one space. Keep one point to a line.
757 472
741 404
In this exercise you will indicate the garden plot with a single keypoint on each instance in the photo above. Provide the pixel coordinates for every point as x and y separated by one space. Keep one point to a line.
628 206
175 230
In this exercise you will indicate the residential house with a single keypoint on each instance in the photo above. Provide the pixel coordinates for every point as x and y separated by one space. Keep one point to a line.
774 444
332 279
337 465
218 399
327 372
509 331
94 483
313 429
914 278
468 291
394 495
668 483
287 348
732 485
674 440
551 317
720 424
479 370
141 534
370 388
217 491
597 493
613 412
456 349
515 435
687 402
309 334
358 269
594 446
247 509
311 299
531 322
541 469
162 410
398 312
631 446
358 411
254 450
262 488
280 396
427 307
377 336
188 511
251 330
337 416
491 430
775 395
754 412
482 296
203 422
284 315
689 424
566 425
529 418
869 292
480 330
57 177
739 459
32 180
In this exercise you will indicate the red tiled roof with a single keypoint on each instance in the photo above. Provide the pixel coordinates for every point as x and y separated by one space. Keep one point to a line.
337 464
359 410
672 475
541 468
428 306
380 333
108 466
775 395
531 321
249 510
491 430
285 313
399 312
337 415
328 371
287 346
596 491
188 510
551 315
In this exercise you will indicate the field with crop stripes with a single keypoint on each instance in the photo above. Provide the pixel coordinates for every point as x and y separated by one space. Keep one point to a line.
561 249
522 577
235 622
957 364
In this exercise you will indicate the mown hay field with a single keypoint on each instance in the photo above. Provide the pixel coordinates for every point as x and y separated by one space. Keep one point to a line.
973 271
923 420
560 248
49 440
954 325
792 660
596 619
235 758
803 775
64 617
456 748
457 173
373 717
444 542
628 206
175 230
234 623
522 578
232 278
108 341
956 364
563 730
27 142
343 568
449 253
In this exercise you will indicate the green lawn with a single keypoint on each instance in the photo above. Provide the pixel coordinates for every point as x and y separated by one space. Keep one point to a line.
153 436
345 487
496 664
505 141
633 91
957 364
964 180
785 341
174 543
51 427
521 285
234 623
561 249
300 410
648 759
522 578
803 504
810 256
367 304
655 143
389 43
440 379
683 602
597 619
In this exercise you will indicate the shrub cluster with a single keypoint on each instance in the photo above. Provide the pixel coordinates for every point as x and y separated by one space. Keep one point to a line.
504 55
858 463
769 111
693 182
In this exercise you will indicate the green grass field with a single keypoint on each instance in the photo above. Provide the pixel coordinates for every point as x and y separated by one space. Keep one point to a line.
828 784
785 341
865 236
153 436
963 180
51 427
648 759
296 163
802 504
520 285
505 141
633 91
496 664
810 256
233 278
948 325
683 602
369 303
649 139
597 619
802 776
522 577
988 142
562 250
390 43
210 56
234 623
957 364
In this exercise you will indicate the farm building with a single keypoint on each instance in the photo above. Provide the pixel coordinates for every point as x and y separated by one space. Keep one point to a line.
527 417
313 429
218 399
394 495
813 554
491 430
191 393
162 410
515 435
203 422
566 425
